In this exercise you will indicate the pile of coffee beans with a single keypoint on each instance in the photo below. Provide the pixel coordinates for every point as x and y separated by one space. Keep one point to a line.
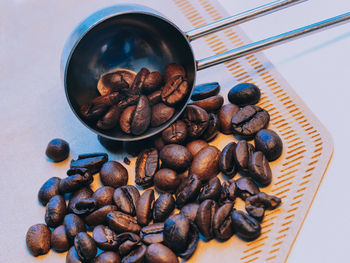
134 101
188 200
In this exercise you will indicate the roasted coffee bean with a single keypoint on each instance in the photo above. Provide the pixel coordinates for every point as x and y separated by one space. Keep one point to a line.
128 242
229 191
72 256
125 198
190 211
212 190
85 246
255 205
196 119
92 112
152 82
173 70
147 164
193 239
155 97
259 169
268 142
57 150
59 240
91 161
48 190
213 128
115 80
55 211
78 178
158 143
38 239
82 193
113 174
103 196
249 120
166 180
227 163
139 80
161 113
176 157
144 207
109 99
73 225
211 104
206 163
176 230
121 222
246 187
175 90
195 146
107 257
245 226
244 94
163 207
99 216
152 233
84 206
243 153
110 119
128 98
158 253
225 116
105 238
222 222
206 90
188 190
205 218
175 133
136 256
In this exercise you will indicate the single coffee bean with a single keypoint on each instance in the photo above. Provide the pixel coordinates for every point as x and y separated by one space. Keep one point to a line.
38 239
91 161
161 113
152 82
115 80
268 142
166 180
222 222
78 178
48 190
196 119
126 118
121 222
249 120
173 70
211 104
144 207
206 163
245 226
59 240
158 253
246 187
193 239
176 230
107 257
212 190
73 225
243 153
113 174
84 206
103 196
205 218
195 146
136 256
175 133
105 238
128 242
72 256
85 246
225 116
206 90
255 205
190 211
99 216
92 112
227 163
147 164
55 211
244 94
259 169
163 207
152 233
139 80
110 119
128 98
188 190
175 90
155 97
213 128
176 157
82 193
125 198
109 99
57 150
229 191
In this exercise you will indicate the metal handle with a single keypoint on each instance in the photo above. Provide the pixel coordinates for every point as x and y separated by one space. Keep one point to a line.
241 18
271 41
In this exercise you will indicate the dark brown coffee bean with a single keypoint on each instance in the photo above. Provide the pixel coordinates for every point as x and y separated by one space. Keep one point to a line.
163 207
128 242
268 142
227 163
105 238
128 98
206 163
48 190
152 82
38 239
175 133
125 198
121 222
55 211
84 206
195 146
109 99
103 196
113 174
229 191
79 177
243 153
125 119
196 119
176 157
188 190
225 116
190 211
73 225
222 222
173 70
110 119
249 120
176 230
59 240
175 90
152 233
136 256
244 94
205 218
147 164
212 190
72 256
144 207
82 193
246 187
92 112
107 257
85 246
161 113
211 104
99 216
166 180
213 128
255 205
205 90
115 80
91 161
245 226
139 80
193 239
155 97
158 253
259 169
57 150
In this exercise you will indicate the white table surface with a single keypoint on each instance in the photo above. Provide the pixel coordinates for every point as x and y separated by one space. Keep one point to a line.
317 67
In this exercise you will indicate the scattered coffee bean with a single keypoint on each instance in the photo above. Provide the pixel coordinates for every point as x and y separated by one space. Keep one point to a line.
227 163
38 239
82 193
259 169
192 242
57 150
176 157
55 211
103 196
196 119
125 198
176 230
246 187
48 190
255 205
85 246
225 116
73 225
152 233
113 174
175 133
121 222
222 222
213 128
99 216
195 146
105 238
72 256
212 190
229 191
245 226
188 190
163 207
205 218
158 253
161 113
135 256
173 70
91 161
206 90
243 153
107 257
59 239
268 142
190 211
244 94
144 207
78 178
211 104
206 163
84 206
166 180
147 165
128 241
